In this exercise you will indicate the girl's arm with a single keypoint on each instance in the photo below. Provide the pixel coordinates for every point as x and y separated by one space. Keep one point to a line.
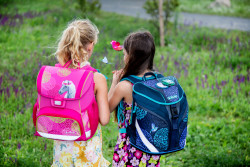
115 96
101 92
118 91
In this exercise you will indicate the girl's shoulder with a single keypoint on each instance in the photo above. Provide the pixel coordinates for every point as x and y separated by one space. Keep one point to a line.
99 77
124 86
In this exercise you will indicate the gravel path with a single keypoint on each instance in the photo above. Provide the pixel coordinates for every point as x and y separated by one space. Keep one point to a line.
135 8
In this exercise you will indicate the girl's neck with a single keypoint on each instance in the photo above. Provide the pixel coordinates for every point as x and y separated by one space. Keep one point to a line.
144 72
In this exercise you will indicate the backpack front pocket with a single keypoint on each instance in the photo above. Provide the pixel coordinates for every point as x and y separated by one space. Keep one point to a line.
58 126
152 131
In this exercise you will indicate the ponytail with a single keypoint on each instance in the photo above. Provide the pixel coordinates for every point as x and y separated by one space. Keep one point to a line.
73 42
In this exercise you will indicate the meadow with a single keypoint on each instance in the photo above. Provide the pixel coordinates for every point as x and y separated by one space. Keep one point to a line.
212 66
239 8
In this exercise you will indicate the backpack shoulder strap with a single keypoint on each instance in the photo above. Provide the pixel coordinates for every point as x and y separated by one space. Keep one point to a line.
89 68
131 78
134 79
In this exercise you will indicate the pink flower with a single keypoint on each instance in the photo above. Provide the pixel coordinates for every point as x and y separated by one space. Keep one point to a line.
144 158
158 165
116 157
125 157
138 154
125 147
155 157
129 166
123 135
116 45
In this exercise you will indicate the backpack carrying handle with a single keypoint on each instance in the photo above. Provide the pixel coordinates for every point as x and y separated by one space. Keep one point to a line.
147 74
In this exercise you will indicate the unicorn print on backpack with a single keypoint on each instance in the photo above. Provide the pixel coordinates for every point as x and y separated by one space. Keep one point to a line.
69 87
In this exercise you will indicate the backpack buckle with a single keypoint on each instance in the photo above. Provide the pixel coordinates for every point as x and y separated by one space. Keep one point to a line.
58 103
174 111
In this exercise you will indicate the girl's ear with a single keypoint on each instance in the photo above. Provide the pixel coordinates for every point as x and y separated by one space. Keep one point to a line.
90 47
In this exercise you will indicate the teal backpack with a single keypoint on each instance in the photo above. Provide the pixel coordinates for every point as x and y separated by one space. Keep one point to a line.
159 114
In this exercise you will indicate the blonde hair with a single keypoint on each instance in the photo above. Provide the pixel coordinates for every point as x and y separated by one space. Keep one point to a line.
73 42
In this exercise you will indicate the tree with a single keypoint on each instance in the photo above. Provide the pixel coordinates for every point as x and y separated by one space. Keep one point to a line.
87 6
152 8
161 23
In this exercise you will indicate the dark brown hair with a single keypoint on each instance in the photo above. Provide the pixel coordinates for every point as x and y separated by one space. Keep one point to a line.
140 48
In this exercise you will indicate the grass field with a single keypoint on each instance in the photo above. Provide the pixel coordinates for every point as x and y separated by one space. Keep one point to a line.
239 8
213 67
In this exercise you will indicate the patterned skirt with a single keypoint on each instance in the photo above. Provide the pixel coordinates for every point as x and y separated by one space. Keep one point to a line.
127 155
80 153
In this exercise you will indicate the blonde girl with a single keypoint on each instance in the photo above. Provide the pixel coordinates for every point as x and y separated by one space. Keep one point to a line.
76 46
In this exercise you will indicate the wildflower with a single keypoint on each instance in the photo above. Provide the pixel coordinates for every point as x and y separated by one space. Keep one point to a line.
19 146
1 81
162 57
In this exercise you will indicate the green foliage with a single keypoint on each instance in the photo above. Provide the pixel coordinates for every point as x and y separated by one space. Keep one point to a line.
152 8
86 6
4 2
211 65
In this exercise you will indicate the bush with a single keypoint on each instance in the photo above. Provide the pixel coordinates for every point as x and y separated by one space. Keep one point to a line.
86 6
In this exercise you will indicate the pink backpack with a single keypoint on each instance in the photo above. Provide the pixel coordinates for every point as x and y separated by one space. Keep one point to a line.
66 108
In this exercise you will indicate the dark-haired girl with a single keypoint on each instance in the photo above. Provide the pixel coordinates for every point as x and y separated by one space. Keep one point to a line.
139 51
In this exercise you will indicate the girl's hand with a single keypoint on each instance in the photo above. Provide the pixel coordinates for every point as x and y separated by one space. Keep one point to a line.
116 76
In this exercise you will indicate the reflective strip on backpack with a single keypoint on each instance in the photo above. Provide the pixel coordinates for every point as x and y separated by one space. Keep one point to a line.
144 139
58 137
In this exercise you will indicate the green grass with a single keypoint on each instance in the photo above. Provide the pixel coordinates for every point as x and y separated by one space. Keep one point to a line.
213 67
239 8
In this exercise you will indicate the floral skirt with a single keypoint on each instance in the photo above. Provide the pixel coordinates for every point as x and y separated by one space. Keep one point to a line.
127 155
80 153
